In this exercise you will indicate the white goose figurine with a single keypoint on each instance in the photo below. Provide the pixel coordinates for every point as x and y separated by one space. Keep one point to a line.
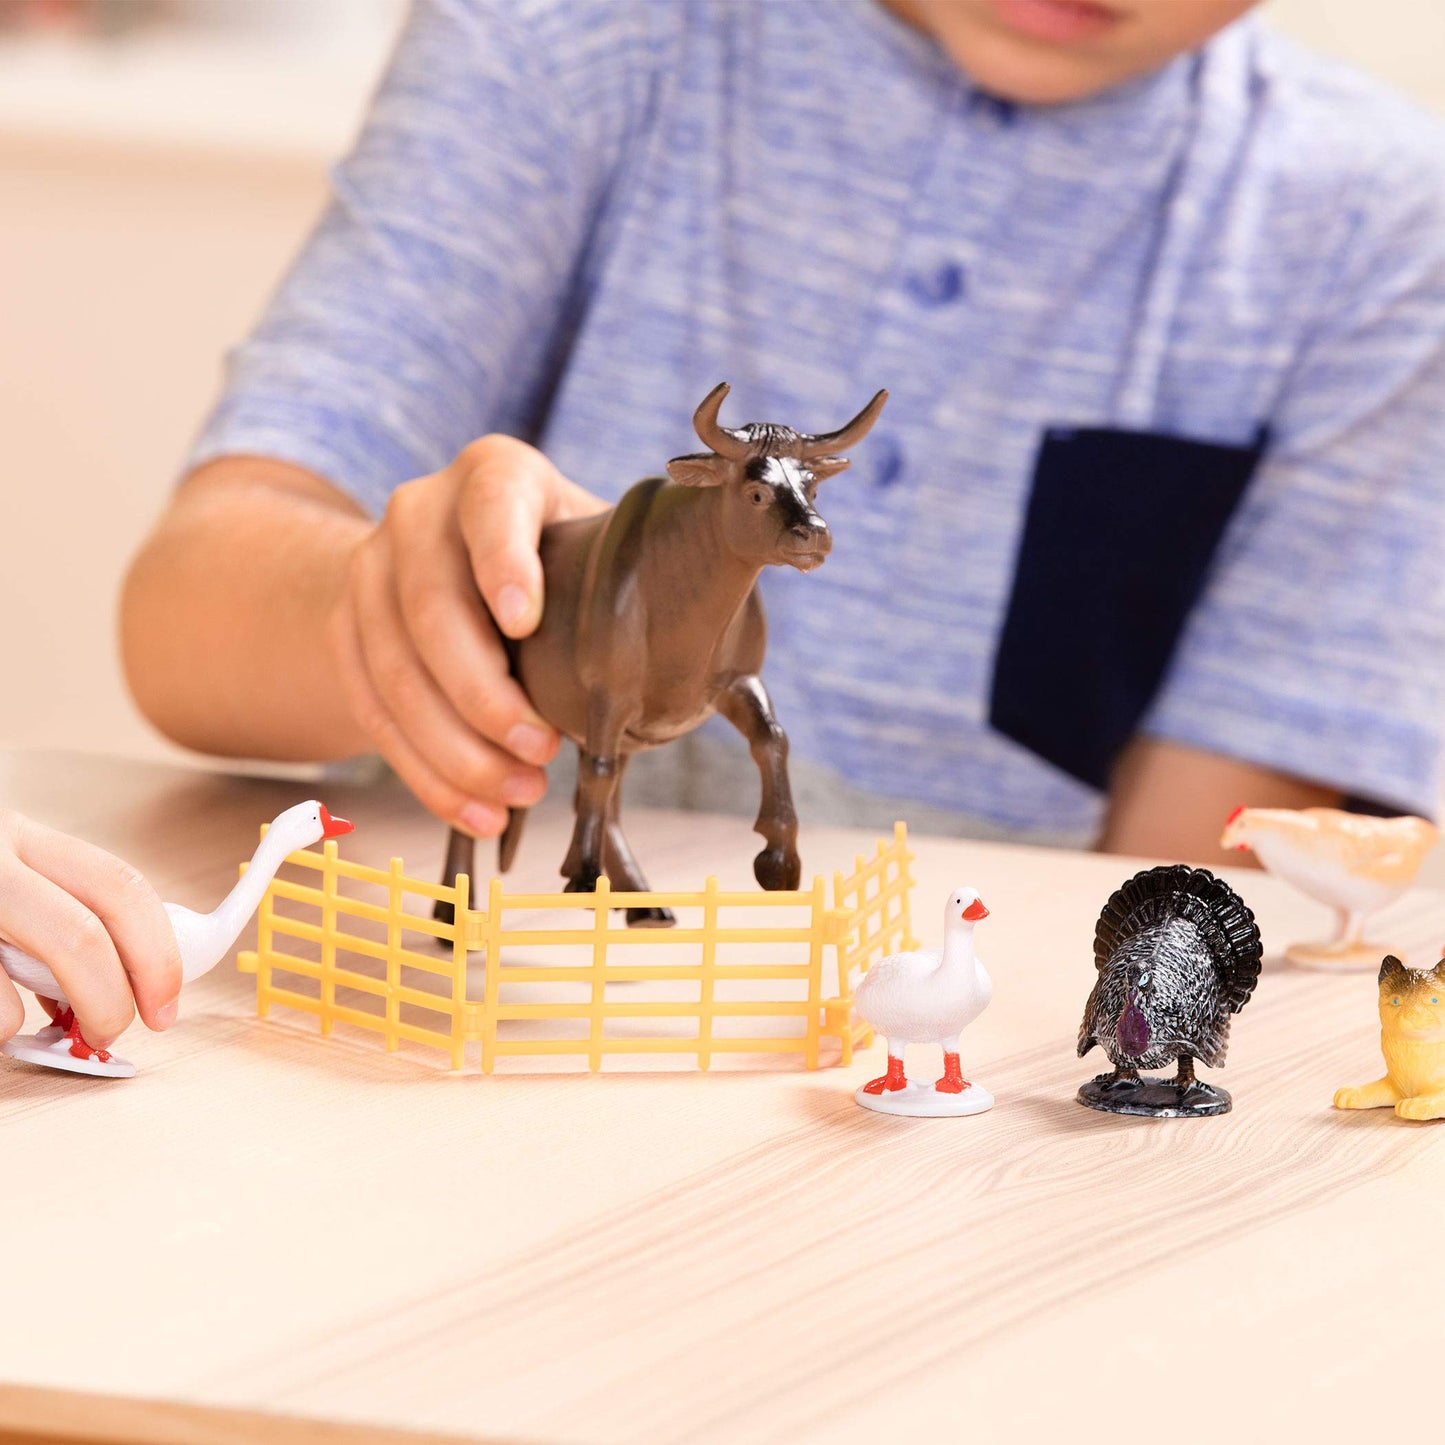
928 998
204 940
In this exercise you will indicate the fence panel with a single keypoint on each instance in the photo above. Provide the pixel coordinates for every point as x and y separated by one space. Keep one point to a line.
754 1004
875 899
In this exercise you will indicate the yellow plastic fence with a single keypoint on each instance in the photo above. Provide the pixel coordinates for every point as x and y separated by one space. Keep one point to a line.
362 949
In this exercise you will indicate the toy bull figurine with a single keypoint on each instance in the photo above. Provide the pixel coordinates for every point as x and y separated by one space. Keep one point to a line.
653 622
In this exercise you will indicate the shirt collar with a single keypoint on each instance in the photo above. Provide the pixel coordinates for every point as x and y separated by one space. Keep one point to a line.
1142 117
913 47
1137 119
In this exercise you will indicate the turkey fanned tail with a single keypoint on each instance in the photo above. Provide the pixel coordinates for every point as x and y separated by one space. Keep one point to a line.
1138 918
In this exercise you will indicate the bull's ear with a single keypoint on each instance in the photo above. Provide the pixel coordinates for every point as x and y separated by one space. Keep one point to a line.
824 467
700 469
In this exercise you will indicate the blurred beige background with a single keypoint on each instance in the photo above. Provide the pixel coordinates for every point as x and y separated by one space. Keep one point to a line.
152 187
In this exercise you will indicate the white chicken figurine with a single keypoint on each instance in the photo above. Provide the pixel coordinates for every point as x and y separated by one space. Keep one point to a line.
1354 863
928 998
204 940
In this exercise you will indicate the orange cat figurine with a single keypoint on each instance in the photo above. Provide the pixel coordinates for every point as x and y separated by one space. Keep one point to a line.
1412 1038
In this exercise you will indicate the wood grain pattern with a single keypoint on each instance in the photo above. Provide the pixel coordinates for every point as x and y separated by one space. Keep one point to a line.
327 1231
56 1417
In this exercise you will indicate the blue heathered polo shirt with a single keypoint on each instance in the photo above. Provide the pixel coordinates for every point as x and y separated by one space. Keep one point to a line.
1166 443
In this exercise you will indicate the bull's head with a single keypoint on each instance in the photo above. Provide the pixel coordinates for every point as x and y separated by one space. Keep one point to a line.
770 475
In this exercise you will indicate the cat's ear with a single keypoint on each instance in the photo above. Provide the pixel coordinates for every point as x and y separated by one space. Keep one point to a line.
1392 971
1439 971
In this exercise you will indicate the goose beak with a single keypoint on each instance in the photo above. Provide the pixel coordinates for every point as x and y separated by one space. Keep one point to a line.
334 827
974 911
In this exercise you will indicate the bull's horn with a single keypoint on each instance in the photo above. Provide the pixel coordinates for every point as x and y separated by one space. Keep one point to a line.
845 436
721 439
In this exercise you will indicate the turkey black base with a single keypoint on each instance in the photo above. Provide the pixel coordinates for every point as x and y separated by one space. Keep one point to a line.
1154 1098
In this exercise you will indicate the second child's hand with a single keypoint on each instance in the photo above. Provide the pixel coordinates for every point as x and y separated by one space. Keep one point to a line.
94 922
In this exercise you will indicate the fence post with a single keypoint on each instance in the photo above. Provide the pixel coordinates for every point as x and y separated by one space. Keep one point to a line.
328 935
840 962
393 948
707 973
815 972
912 939
599 971
461 926
265 942
492 962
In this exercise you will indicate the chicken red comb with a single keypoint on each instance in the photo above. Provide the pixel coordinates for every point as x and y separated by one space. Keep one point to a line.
1234 815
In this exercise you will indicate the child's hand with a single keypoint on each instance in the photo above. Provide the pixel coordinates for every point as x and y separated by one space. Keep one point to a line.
95 922
421 660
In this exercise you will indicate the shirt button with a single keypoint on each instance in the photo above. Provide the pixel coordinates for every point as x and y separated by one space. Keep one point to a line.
887 459
937 287
995 108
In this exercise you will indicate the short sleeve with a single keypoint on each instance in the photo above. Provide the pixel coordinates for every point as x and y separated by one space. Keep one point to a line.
1318 648
429 305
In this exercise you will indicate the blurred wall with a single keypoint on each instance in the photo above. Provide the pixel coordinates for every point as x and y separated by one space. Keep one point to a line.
1402 41
153 187
126 278
145 214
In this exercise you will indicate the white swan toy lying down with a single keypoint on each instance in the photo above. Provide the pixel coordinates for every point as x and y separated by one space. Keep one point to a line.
204 940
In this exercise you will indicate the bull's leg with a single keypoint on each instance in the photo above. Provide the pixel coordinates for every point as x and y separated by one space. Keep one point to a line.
622 868
572 863
596 781
598 771
747 706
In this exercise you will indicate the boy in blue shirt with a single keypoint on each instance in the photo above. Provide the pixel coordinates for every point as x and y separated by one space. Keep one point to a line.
1151 525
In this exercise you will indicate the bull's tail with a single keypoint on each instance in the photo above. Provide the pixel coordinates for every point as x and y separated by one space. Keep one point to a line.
462 857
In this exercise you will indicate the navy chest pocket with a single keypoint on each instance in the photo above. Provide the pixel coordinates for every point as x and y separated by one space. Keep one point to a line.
1117 544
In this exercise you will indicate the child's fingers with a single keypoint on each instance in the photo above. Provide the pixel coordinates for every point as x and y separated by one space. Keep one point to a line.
458 644
509 492
122 898
12 1009
426 718
47 923
570 501
502 505
480 818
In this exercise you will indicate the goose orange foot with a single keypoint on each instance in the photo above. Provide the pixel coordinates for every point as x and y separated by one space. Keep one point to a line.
952 1081
890 1081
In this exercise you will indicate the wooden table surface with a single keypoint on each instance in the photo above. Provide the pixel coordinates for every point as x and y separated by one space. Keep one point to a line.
265 1221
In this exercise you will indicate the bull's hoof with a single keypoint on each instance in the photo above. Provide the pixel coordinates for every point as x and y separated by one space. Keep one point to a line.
584 882
650 918
777 869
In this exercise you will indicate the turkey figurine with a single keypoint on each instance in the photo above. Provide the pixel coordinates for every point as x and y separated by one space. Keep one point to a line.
928 998
1178 953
